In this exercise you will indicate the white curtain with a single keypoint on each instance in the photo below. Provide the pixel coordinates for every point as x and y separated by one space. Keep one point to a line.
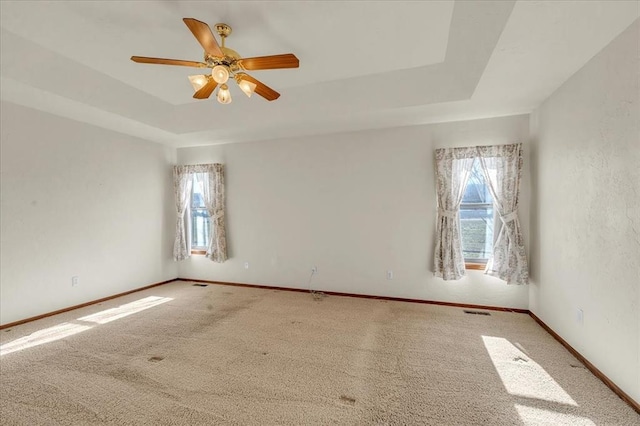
182 190
453 166
211 178
502 166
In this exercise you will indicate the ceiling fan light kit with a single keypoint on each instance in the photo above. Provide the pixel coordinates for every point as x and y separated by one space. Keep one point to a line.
224 96
225 63
220 74
198 81
248 87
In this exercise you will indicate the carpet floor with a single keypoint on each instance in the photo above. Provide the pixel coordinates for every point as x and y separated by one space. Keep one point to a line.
180 354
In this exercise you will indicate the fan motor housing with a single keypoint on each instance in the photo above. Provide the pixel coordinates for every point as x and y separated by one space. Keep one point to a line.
229 59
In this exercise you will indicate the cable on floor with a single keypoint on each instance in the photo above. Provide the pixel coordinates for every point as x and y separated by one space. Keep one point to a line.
317 295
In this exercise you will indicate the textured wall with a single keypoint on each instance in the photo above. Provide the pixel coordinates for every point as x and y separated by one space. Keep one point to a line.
352 204
80 201
586 211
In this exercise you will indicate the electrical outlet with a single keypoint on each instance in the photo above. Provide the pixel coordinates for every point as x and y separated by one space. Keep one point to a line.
246 265
74 281
314 270
389 274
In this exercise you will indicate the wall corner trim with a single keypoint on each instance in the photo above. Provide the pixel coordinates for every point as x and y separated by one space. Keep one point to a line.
82 305
363 296
599 374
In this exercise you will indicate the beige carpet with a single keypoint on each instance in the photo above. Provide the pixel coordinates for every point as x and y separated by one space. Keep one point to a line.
192 355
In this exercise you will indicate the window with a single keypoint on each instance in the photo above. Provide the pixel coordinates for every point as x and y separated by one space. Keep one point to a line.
199 216
477 218
199 191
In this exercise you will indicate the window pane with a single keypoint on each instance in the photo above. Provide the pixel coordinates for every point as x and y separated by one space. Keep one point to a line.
477 190
200 228
200 224
197 199
476 217
476 226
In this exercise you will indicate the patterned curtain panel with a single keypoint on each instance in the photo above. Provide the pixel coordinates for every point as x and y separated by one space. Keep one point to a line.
182 189
453 166
502 166
212 182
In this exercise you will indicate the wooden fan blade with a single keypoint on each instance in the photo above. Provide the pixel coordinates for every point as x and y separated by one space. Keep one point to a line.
287 60
163 61
205 37
262 89
206 90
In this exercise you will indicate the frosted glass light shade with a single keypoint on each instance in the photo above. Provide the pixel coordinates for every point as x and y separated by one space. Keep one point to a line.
248 87
220 74
224 96
198 81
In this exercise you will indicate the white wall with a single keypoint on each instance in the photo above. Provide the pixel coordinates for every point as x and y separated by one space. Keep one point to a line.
78 200
352 204
586 211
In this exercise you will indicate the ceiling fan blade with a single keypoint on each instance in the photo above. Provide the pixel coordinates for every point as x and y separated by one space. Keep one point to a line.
262 89
206 90
205 37
163 61
287 60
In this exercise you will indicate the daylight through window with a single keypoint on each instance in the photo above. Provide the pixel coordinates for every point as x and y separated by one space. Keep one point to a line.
477 218
200 223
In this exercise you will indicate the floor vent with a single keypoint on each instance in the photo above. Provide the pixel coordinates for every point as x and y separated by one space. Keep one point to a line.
476 312
201 285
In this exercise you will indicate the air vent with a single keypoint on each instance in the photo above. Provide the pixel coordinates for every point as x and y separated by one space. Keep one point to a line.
476 312
200 285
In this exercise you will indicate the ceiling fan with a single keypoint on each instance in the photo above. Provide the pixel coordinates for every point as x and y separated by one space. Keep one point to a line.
225 63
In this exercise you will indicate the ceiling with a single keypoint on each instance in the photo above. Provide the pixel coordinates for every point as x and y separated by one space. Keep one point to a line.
363 64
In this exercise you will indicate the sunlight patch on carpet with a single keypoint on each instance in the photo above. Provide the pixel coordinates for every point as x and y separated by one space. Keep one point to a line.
67 329
40 337
521 375
538 416
113 314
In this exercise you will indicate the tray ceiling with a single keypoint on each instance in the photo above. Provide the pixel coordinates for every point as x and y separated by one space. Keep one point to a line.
363 64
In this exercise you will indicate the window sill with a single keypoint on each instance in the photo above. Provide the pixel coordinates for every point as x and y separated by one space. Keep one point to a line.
476 266
199 252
